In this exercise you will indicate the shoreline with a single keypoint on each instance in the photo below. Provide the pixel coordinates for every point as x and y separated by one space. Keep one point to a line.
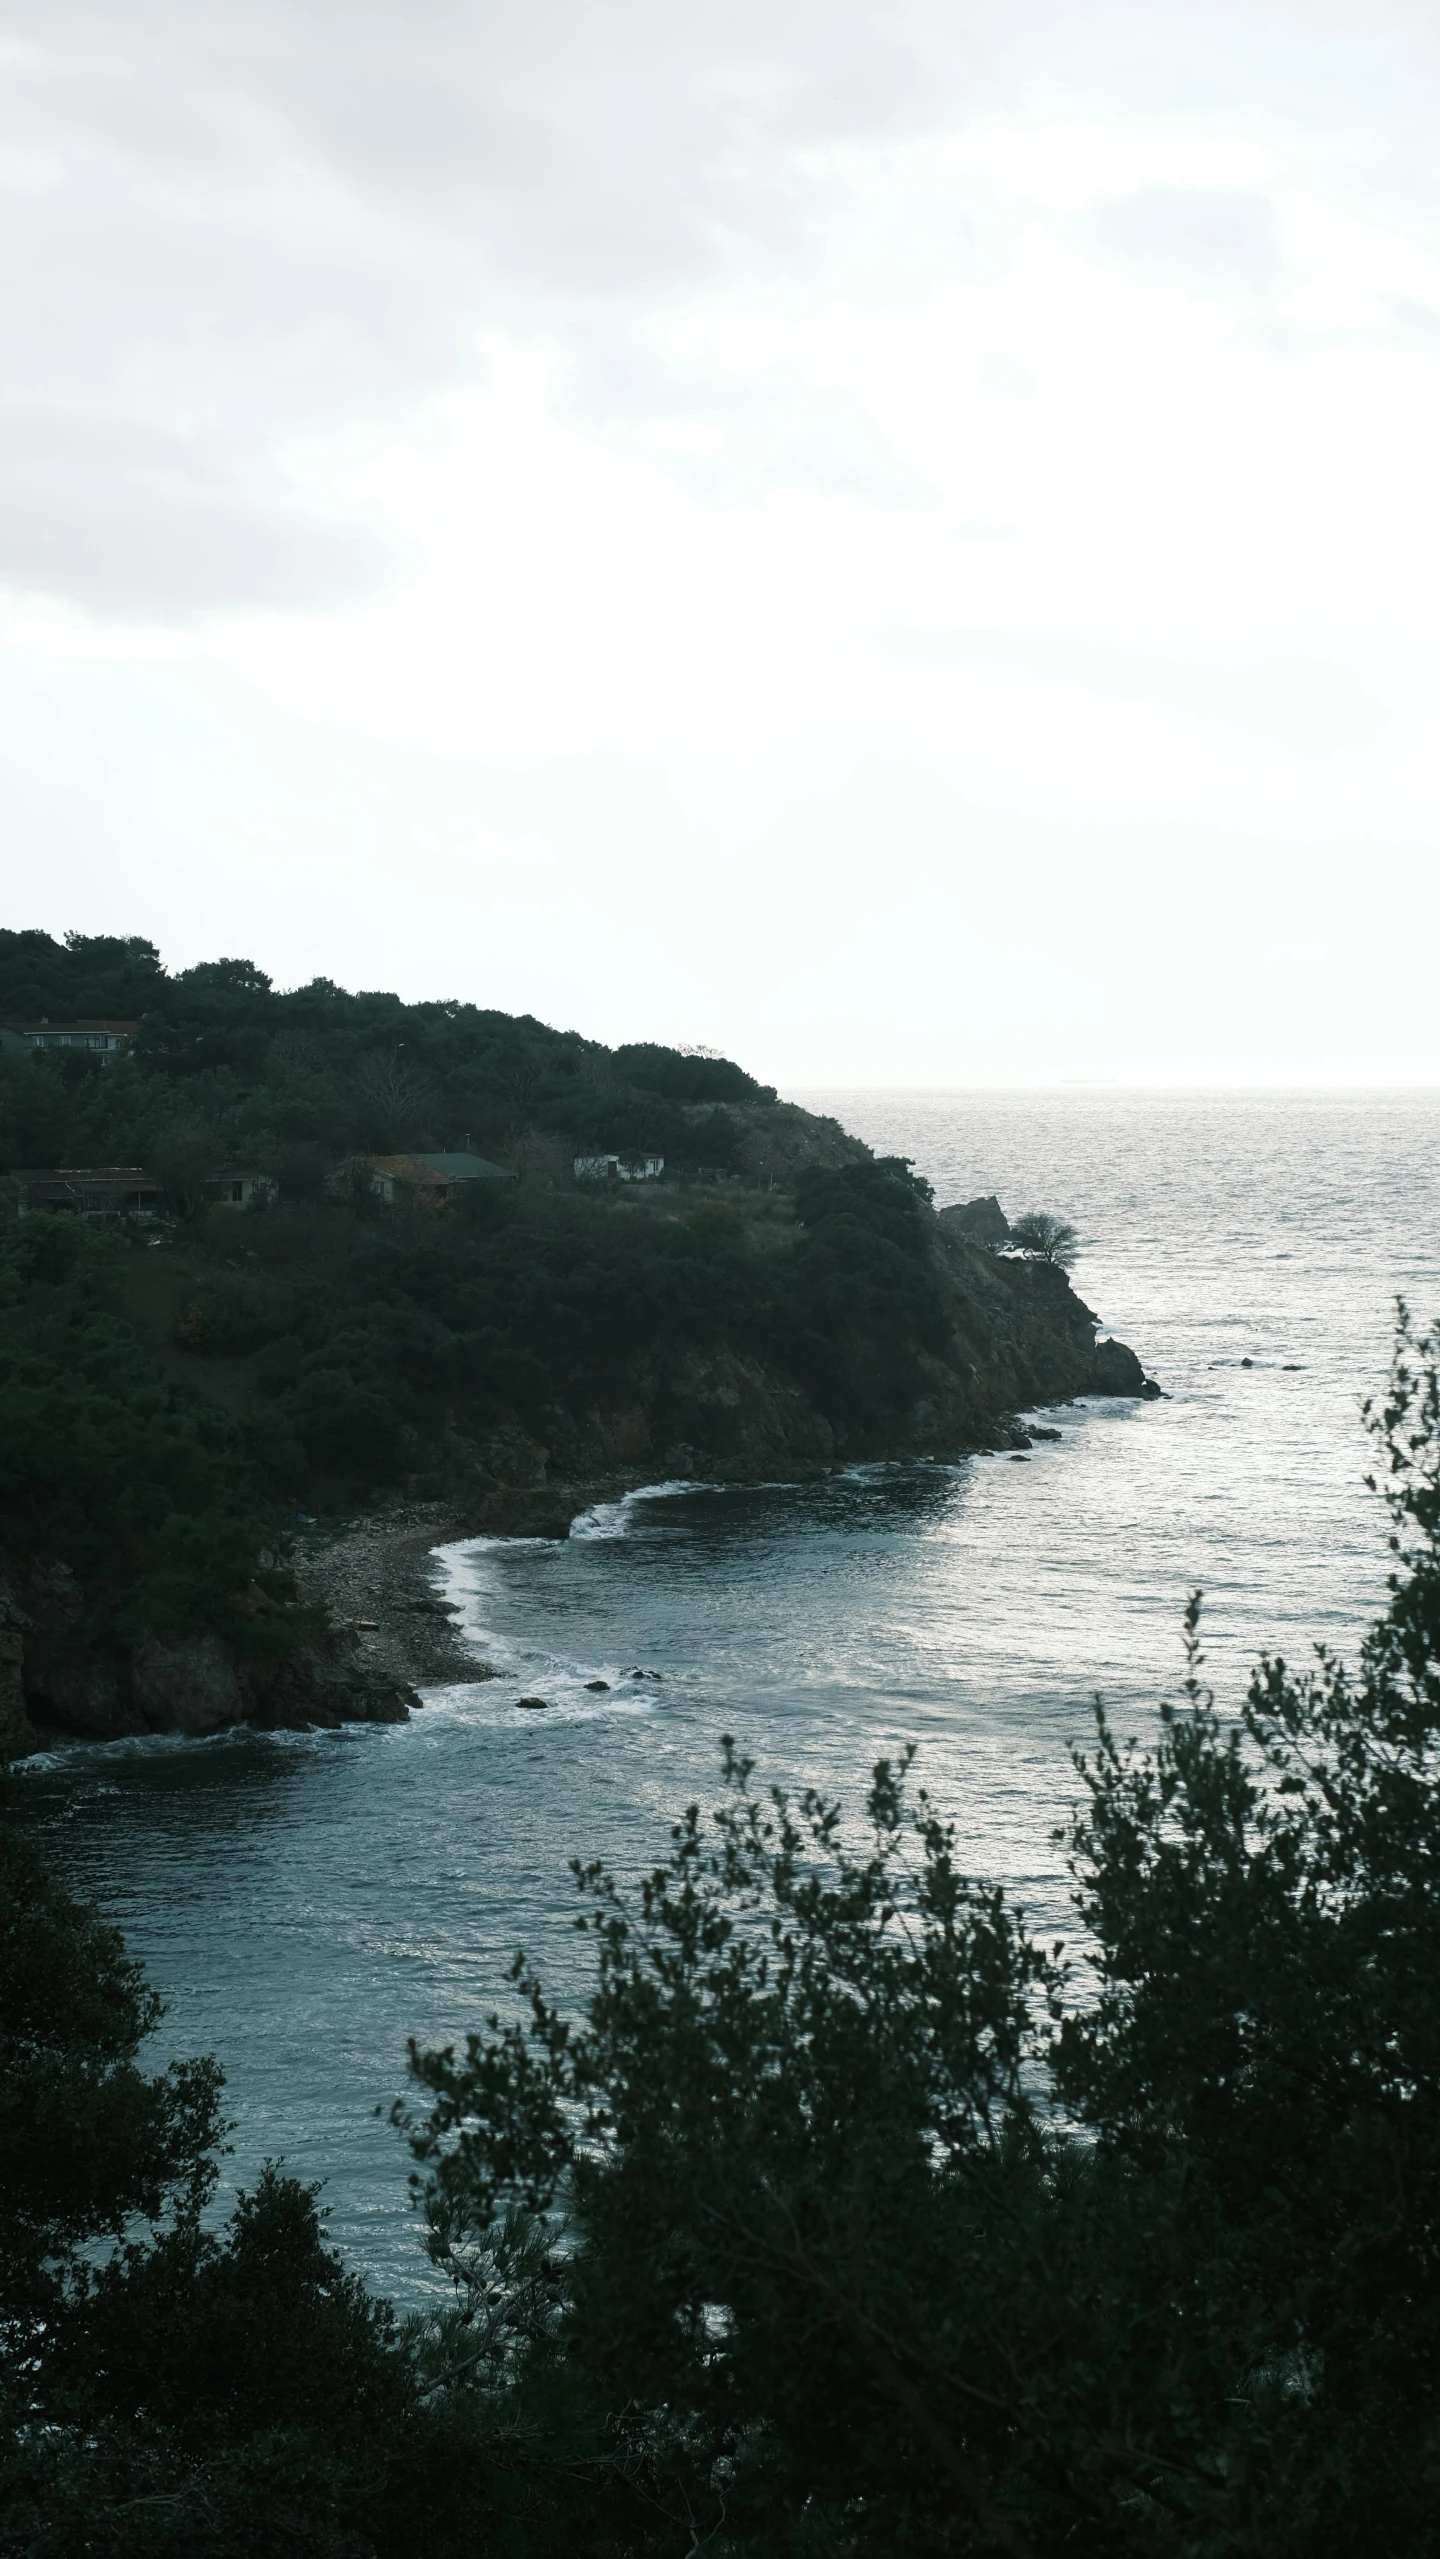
390 1632
379 1568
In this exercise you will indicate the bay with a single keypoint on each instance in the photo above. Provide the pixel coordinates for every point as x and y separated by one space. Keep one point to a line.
305 1902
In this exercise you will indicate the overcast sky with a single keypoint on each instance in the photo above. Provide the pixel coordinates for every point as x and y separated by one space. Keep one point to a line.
898 538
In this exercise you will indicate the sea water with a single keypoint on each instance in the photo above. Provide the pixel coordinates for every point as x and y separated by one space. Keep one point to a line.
306 1902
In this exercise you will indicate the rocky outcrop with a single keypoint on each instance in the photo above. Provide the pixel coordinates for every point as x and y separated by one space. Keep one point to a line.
188 1685
1010 1333
977 1222
77 1688
1028 1336
1118 1372
325 1681
1020 1336
728 1416
63 1674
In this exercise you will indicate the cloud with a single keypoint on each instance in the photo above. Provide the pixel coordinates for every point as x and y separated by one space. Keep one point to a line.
1213 233
134 519
1309 705
231 229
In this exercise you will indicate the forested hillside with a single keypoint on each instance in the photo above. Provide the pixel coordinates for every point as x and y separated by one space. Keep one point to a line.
179 1391
225 1066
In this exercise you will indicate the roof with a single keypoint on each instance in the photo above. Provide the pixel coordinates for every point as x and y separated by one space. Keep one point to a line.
463 1167
444 1167
31 1026
79 1173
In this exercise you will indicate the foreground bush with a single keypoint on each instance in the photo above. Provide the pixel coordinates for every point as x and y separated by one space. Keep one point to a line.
845 2218
902 2233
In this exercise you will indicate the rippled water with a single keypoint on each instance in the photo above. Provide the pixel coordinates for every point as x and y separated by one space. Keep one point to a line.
305 1902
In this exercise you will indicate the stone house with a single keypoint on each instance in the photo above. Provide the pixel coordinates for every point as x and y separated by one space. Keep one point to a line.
103 1040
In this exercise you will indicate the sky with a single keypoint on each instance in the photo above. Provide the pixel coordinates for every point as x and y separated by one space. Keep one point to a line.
898 539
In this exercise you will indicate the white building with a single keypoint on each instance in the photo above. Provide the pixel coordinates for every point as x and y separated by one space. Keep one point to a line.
619 1168
232 1189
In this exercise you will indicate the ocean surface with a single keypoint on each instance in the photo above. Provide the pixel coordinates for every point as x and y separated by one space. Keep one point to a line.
306 1902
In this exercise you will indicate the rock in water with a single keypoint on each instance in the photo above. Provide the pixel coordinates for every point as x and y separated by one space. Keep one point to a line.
1118 1372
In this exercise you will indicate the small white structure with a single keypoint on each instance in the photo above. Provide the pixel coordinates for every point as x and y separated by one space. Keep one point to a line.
619 1168
231 1189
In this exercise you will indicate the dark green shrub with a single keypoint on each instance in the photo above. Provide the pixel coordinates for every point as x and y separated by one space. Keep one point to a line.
344 1424
683 1078
233 1316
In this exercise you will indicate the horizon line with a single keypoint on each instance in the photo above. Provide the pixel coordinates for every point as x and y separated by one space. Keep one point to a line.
1211 1085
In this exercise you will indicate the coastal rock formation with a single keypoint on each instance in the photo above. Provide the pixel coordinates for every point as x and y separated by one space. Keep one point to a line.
325 1681
782 1303
75 1687
59 1676
977 1222
191 1685
1118 1372
1018 1335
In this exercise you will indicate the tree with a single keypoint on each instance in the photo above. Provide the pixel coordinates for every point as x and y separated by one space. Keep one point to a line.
1050 1239
792 2057
1264 2043
401 1097
164 2388
88 2140
885 2230
185 1162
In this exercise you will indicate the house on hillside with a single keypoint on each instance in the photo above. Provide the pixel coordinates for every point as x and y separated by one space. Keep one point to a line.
425 1181
231 1189
103 1040
80 1190
619 1168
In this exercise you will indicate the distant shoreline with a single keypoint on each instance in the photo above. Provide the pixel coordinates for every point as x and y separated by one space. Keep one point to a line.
381 1568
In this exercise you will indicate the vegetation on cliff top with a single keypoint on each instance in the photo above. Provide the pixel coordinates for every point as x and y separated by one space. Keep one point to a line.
171 1398
844 2219
227 1069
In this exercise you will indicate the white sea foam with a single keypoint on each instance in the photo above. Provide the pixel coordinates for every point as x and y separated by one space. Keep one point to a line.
493 1703
623 1516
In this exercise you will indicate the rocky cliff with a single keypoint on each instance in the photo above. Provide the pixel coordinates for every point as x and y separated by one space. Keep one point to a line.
752 1331
62 1673
1017 1335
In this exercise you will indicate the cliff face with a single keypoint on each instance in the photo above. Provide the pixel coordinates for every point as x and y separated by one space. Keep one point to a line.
61 1674
1018 1335
803 1308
